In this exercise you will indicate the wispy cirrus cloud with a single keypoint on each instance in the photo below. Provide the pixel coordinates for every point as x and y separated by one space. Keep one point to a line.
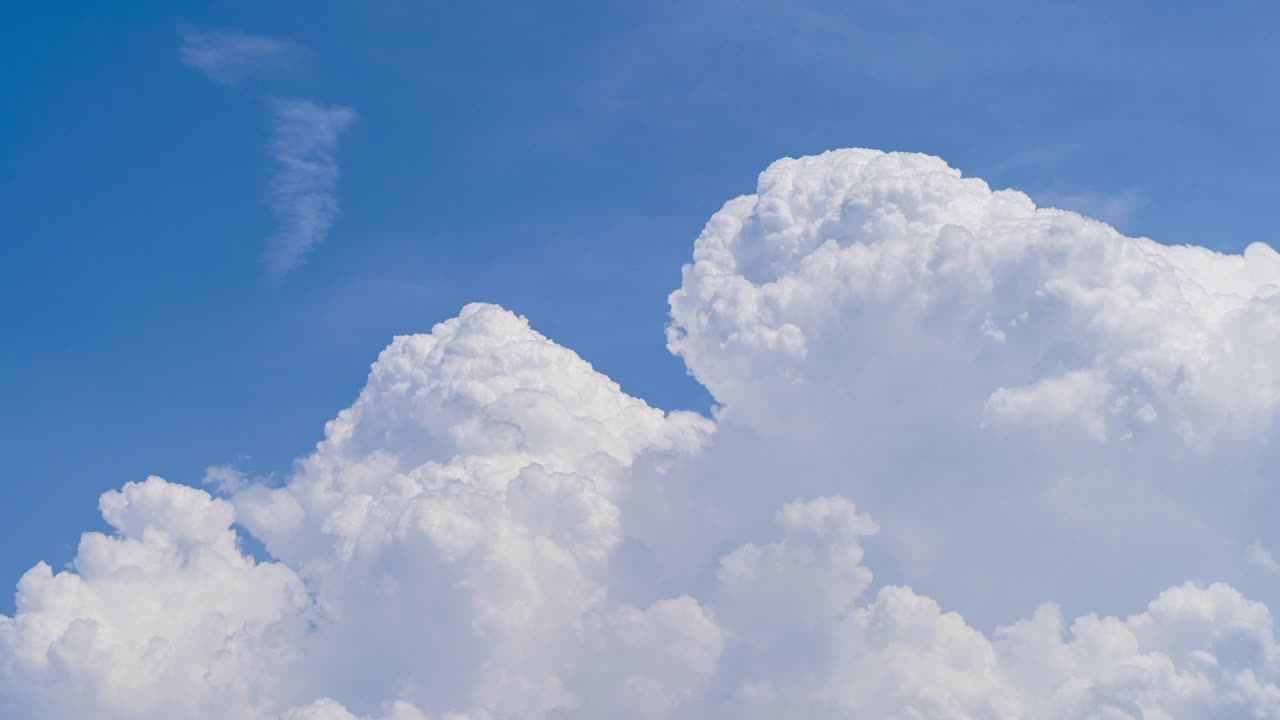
1116 209
303 191
1261 559
303 194
229 56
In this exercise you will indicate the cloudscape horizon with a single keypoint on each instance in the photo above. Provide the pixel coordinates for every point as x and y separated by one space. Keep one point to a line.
969 458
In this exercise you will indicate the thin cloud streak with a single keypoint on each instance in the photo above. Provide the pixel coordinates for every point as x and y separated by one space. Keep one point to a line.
303 195
1115 209
1260 559
229 56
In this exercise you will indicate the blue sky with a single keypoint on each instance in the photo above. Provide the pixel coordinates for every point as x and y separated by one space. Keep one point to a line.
556 159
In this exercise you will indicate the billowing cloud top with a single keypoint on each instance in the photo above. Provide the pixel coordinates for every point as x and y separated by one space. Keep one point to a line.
1035 416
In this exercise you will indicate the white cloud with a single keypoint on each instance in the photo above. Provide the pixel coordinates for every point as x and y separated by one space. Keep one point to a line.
495 530
1262 559
1076 397
165 618
1117 209
845 313
229 56
304 192
226 478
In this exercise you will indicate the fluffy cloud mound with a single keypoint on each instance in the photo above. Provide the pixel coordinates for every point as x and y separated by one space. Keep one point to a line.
1006 411
164 619
1051 317
1014 391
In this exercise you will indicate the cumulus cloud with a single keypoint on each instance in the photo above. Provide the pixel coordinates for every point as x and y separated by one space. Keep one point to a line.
961 443
973 370
229 56
304 192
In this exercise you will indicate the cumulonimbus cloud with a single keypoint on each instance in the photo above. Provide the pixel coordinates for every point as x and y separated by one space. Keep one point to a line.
1016 411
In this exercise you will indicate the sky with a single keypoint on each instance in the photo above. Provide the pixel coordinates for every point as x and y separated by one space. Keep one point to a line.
217 214
558 162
